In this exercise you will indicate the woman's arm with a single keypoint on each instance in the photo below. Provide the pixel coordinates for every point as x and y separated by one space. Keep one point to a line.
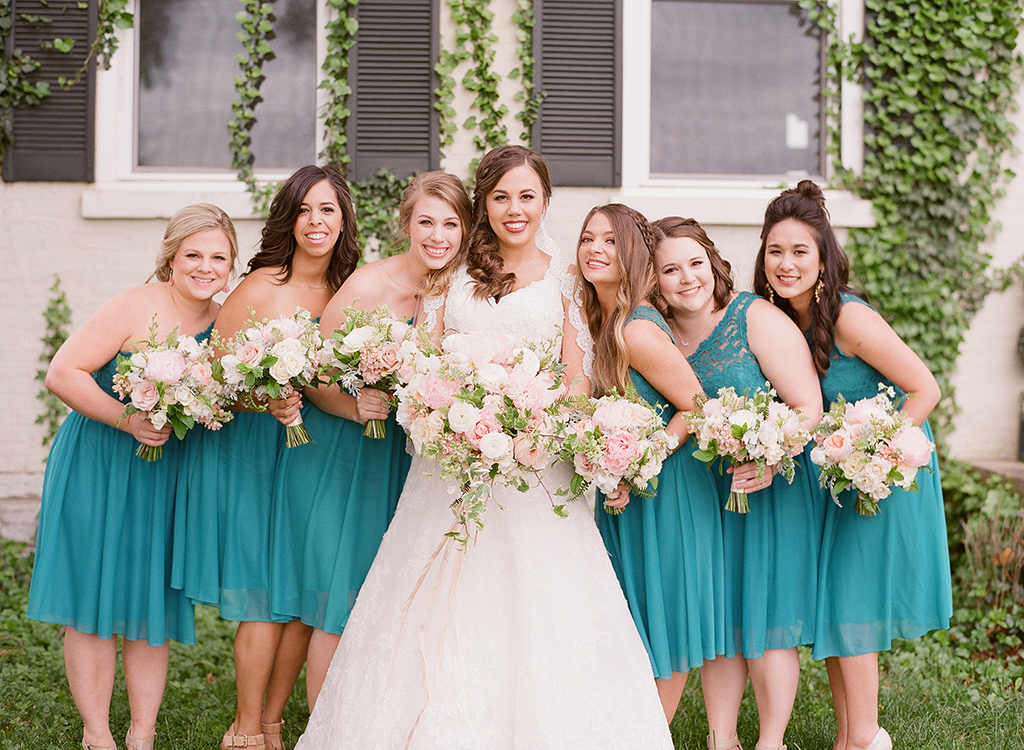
862 332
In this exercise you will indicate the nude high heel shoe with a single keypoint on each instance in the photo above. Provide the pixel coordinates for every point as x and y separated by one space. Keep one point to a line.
133 744
731 743
241 740
86 746
272 735
882 741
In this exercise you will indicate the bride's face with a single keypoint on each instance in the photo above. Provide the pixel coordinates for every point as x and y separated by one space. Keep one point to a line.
516 206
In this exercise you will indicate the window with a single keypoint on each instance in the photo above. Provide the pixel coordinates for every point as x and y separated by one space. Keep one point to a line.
735 89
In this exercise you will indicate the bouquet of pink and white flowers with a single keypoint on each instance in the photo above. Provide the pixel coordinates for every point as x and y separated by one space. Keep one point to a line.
485 409
272 359
745 428
171 381
615 439
368 351
871 446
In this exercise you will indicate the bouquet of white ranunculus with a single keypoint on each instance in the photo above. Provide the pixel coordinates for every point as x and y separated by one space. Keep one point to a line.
485 409
745 428
611 439
871 446
171 381
272 359
369 350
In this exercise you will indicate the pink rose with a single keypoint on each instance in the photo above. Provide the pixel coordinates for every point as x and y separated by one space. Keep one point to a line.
165 366
837 446
527 451
584 466
145 395
622 447
438 393
711 406
250 353
614 415
534 421
912 445
201 373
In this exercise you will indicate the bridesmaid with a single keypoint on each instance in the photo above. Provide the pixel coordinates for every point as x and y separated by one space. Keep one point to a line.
735 339
336 496
666 550
880 577
103 557
308 249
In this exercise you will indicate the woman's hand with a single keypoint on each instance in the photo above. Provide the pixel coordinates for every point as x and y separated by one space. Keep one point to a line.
744 478
287 409
140 428
372 404
618 499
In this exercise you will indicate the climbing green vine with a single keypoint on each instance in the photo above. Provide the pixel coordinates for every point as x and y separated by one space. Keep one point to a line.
939 81
17 83
376 202
341 35
529 98
58 317
257 24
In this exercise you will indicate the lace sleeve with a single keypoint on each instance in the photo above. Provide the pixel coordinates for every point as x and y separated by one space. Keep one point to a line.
568 283
430 307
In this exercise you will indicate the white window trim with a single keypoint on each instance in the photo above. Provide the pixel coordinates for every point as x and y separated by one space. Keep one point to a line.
120 192
733 200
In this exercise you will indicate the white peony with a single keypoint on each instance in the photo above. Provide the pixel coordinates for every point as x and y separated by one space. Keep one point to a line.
495 445
231 374
527 360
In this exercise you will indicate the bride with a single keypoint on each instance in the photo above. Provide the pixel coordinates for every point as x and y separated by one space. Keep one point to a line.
524 640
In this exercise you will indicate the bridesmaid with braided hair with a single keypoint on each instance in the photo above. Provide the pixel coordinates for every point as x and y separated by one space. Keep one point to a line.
666 549
882 577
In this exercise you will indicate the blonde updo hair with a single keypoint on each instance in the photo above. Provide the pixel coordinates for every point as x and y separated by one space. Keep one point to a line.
448 188
190 220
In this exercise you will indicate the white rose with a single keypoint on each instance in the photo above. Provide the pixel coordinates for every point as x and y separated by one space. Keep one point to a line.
356 339
184 396
462 416
527 360
139 360
158 419
743 417
495 445
909 474
492 376
291 360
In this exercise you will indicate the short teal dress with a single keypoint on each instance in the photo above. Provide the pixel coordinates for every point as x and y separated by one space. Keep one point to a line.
224 548
667 552
105 545
333 501
885 576
771 553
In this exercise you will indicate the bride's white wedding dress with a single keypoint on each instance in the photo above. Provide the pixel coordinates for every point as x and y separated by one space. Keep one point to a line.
522 641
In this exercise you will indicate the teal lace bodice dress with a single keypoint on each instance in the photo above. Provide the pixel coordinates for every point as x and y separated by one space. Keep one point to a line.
667 552
771 553
885 576
106 542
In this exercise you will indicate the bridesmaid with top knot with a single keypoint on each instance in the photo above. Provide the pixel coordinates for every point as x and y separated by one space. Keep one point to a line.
335 497
105 544
308 249
735 339
881 577
666 549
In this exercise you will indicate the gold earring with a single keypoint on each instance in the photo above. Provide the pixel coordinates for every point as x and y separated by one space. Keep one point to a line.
771 294
817 290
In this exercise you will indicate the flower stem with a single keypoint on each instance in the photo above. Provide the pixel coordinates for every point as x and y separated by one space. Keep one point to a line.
737 502
375 428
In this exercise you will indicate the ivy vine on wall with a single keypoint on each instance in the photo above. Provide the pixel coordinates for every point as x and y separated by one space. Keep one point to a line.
530 100
940 78
341 35
17 83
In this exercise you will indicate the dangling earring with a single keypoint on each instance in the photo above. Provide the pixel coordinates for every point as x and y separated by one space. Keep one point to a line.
771 294
226 289
170 280
817 290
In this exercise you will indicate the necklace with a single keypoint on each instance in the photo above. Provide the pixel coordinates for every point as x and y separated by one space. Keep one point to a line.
700 336
308 286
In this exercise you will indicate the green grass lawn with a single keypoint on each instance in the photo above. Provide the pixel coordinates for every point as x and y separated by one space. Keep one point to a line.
934 694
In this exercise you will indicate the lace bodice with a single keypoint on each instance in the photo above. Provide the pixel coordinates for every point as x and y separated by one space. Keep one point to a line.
851 377
647 391
724 358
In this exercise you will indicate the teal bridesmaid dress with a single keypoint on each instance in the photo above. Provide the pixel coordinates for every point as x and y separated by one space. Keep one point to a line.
105 547
667 552
885 576
771 553
333 501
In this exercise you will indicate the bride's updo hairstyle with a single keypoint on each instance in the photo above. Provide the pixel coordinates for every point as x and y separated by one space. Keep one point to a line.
806 204
634 250
673 227
448 188
484 262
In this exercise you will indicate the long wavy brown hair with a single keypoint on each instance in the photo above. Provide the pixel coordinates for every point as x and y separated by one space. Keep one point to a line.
277 246
484 263
806 204
448 188
676 226
634 249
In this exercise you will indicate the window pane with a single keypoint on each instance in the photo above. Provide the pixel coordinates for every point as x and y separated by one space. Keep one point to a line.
187 59
734 89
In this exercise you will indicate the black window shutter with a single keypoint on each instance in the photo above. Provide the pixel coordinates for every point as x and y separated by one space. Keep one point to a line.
576 70
393 123
53 141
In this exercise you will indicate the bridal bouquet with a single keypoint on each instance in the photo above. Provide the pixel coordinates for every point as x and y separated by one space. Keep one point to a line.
171 381
368 351
744 428
615 438
485 410
272 359
871 446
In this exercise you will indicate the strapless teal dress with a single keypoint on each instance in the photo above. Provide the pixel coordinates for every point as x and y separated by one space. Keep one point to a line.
885 576
771 553
667 552
333 501
105 546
